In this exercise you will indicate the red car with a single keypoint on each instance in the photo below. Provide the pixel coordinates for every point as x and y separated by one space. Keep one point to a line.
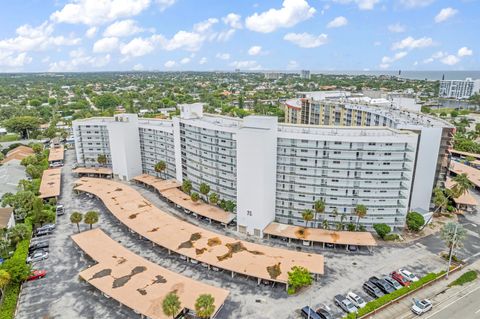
37 274
400 278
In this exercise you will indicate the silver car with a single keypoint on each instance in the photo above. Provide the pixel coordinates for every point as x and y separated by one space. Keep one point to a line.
37 256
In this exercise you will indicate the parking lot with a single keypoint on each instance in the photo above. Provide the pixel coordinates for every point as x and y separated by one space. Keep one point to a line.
62 295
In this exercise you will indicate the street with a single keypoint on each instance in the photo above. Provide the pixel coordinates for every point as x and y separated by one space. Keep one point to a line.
463 305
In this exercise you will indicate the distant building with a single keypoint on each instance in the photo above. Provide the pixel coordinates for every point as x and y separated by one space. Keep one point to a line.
272 75
305 74
7 218
458 89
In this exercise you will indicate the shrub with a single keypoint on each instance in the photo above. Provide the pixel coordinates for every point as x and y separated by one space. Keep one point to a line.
351 227
415 221
297 278
382 230
7 310
465 278
16 266
391 237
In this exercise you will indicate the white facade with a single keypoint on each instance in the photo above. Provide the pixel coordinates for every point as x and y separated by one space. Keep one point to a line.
458 89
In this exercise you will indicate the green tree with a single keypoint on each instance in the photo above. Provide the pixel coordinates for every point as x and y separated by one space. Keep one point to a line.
454 114
37 148
171 304
205 306
382 230
102 159
187 186
194 197
415 221
204 190
319 207
160 167
4 245
106 101
18 233
307 216
451 238
76 218
298 277
360 211
439 199
23 125
325 224
40 214
91 218
335 214
462 185
213 198
4 280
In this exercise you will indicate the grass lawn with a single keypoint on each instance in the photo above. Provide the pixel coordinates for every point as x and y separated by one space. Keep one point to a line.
9 138
465 278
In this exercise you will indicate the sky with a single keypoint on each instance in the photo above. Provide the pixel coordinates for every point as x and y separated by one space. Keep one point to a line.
204 35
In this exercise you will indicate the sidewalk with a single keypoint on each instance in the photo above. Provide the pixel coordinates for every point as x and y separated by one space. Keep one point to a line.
437 292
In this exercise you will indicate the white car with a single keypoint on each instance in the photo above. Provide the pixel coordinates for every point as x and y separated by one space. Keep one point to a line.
407 274
420 307
356 300
37 256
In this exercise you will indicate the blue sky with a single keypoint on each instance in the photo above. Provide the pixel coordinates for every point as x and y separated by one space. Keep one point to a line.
108 35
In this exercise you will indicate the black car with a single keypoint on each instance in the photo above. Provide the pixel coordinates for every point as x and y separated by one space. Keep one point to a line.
309 313
384 286
324 314
372 290
39 245
43 232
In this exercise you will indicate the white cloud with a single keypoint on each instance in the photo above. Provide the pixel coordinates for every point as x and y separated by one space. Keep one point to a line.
450 60
464 51
14 62
96 12
396 57
337 22
185 61
249 65
362 4
416 3
293 65
412 43
170 64
164 4
205 25
306 40
79 60
202 61
189 41
224 35
291 13
36 39
91 32
137 47
233 20
138 67
384 66
445 14
122 28
105 45
255 50
377 43
223 56
397 28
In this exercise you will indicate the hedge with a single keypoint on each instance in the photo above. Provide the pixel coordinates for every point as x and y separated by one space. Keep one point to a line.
7 310
463 279
377 303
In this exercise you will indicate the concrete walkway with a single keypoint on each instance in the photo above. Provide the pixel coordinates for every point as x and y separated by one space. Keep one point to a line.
439 293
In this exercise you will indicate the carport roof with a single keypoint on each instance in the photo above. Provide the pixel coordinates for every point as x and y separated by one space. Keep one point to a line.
56 154
464 199
136 282
320 235
472 173
224 252
51 182
93 170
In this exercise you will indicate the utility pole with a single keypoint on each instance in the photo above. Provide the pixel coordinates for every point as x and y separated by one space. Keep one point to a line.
451 250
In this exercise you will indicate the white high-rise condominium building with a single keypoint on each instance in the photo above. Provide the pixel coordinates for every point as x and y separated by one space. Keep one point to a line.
274 171
305 74
459 89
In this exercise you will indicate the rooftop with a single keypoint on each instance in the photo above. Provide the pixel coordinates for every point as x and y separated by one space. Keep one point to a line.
51 182
5 214
56 154
18 153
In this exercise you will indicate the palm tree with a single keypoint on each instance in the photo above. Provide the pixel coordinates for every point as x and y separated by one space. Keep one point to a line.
462 185
360 211
439 199
160 167
4 280
205 306
213 198
194 197
91 218
335 214
453 238
342 219
18 233
307 216
102 159
319 207
171 304
204 190
76 218
325 224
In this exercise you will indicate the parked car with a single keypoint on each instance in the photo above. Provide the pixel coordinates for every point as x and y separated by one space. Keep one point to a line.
407 274
43 232
372 290
37 256
352 247
38 245
37 274
309 313
47 226
56 164
392 282
324 313
420 307
382 284
356 300
400 278
345 304
60 210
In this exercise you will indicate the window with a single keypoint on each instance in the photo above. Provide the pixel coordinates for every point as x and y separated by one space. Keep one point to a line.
303 160
369 163
303 169
369 173
386 163
385 173
337 152
370 153
336 162
372 144
338 143
387 154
